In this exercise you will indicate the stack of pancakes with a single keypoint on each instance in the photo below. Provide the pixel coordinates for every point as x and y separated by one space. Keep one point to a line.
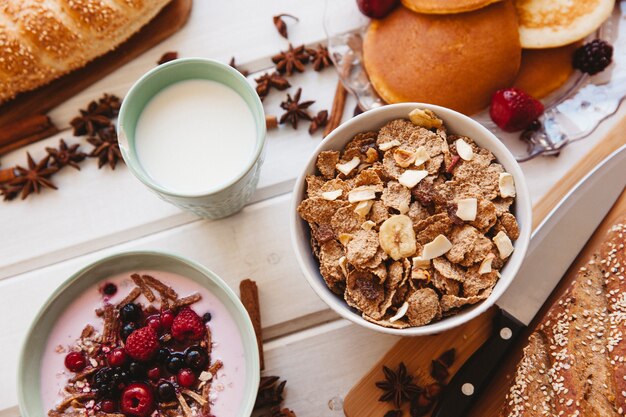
457 53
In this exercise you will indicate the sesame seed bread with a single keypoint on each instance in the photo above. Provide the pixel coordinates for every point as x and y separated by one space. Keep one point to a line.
40 40
574 363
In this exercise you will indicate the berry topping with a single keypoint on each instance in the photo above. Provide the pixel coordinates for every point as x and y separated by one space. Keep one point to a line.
127 329
142 344
108 406
186 377
188 325
162 355
376 8
196 358
117 357
206 317
137 400
154 373
512 109
175 362
166 392
109 289
137 370
154 322
109 381
593 57
75 361
130 312
167 318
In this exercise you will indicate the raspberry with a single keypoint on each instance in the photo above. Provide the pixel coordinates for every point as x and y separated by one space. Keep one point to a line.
75 361
188 325
593 57
142 344
513 109
137 400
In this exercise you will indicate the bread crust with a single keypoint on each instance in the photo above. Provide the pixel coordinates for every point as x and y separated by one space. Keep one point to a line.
41 40
584 367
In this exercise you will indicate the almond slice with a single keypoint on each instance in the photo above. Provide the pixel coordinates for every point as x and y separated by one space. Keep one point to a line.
332 195
403 157
345 238
363 207
425 118
504 245
485 265
343 264
419 262
388 145
347 167
400 313
506 184
464 150
411 177
421 156
367 225
437 247
466 209
362 193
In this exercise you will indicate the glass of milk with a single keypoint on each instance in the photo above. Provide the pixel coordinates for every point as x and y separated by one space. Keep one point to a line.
193 131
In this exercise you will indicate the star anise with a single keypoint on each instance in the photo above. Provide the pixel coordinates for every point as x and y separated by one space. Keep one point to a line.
270 392
97 115
294 110
318 121
9 192
167 57
393 413
106 147
66 155
234 65
319 57
291 59
398 386
280 24
268 81
279 412
33 178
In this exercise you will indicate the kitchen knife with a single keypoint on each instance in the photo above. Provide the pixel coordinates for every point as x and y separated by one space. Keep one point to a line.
553 247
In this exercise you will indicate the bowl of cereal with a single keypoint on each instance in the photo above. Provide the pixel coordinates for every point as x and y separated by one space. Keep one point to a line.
410 219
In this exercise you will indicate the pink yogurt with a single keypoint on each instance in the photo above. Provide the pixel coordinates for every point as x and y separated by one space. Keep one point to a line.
228 385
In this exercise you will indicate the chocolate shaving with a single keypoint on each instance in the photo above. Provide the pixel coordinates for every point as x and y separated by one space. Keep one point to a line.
188 300
145 290
249 294
132 296
78 397
217 365
163 290
87 331
110 325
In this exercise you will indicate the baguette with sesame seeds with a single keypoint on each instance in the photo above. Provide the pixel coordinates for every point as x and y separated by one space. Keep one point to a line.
574 363
40 40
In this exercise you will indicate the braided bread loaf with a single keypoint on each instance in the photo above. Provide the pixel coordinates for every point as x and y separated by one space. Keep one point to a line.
40 40
575 362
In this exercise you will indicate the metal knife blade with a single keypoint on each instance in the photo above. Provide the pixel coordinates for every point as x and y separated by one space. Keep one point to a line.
561 236
554 245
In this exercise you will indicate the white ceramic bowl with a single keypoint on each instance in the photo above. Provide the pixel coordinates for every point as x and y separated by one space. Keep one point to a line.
456 123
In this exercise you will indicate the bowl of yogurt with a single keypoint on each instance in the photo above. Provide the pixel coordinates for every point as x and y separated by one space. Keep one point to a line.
193 131
138 333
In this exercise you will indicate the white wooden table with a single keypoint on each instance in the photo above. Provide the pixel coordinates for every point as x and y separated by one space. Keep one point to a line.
46 238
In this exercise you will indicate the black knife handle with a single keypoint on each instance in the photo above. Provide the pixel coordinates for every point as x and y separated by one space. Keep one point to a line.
470 381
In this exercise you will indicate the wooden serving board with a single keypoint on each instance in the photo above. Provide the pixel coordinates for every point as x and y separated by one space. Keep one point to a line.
417 352
40 101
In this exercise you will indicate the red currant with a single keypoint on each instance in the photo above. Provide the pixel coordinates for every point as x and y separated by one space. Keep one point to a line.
117 357
75 361
154 373
154 322
167 318
186 377
108 406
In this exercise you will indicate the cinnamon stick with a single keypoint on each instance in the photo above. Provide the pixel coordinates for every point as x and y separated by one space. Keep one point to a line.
336 113
25 131
271 122
7 175
249 294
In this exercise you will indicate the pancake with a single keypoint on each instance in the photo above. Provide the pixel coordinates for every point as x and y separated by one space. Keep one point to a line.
456 60
446 6
552 23
545 70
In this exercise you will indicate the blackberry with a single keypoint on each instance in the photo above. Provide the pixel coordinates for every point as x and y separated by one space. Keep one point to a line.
110 381
593 57
130 312
196 358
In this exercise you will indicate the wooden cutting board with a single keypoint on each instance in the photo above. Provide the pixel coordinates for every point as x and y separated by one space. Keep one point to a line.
40 101
417 352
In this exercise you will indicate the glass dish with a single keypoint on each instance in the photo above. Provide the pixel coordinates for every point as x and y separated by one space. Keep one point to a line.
572 112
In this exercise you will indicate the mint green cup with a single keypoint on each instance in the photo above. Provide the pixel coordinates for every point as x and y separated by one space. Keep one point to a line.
29 368
219 201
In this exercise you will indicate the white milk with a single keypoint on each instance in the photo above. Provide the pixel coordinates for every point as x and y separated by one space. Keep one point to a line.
195 135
